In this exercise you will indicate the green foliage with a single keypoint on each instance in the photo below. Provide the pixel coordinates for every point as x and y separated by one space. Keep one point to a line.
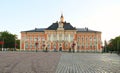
9 40
18 44
114 45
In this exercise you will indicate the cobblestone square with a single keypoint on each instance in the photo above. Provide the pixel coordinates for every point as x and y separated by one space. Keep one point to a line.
58 62
88 63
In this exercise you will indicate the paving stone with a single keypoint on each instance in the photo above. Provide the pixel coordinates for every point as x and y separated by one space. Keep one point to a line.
88 63
58 62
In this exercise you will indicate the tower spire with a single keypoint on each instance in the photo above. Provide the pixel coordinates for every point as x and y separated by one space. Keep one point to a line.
62 18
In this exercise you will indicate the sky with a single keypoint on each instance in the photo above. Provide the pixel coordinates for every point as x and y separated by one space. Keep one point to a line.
99 15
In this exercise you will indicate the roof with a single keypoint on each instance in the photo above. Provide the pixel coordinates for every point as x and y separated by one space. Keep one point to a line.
66 26
36 30
85 30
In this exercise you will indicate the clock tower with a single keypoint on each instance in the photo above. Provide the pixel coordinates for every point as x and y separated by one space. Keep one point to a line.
61 23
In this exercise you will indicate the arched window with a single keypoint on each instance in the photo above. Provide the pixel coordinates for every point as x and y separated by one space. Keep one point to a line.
79 38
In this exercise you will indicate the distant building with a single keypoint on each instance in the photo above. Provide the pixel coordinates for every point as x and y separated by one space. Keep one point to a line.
61 36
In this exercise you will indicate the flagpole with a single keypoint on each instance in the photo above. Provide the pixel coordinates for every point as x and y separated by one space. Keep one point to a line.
3 44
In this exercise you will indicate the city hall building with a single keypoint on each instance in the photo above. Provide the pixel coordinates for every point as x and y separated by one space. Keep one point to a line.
61 36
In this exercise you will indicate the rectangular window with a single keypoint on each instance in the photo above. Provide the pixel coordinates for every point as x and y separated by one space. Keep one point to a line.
25 38
54 37
34 45
78 38
86 38
94 38
99 39
86 44
30 38
82 46
90 39
38 38
26 45
94 46
71 37
79 44
95 43
82 39
66 37
48 37
51 37
30 45
34 39
90 43
90 46
43 39
60 36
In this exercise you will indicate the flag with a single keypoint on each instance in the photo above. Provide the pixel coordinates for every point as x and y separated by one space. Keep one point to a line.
1 42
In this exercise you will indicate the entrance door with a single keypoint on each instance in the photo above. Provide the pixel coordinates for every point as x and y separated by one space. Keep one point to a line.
55 48
60 49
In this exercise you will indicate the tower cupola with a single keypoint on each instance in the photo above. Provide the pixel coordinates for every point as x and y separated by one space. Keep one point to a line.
61 18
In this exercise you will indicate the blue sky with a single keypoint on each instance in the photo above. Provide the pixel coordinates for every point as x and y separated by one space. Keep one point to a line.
21 15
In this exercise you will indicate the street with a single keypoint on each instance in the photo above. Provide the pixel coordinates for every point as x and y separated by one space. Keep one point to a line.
58 62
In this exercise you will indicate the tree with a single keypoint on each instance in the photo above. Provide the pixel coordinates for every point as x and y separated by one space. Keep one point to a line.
114 45
8 39
105 48
18 44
